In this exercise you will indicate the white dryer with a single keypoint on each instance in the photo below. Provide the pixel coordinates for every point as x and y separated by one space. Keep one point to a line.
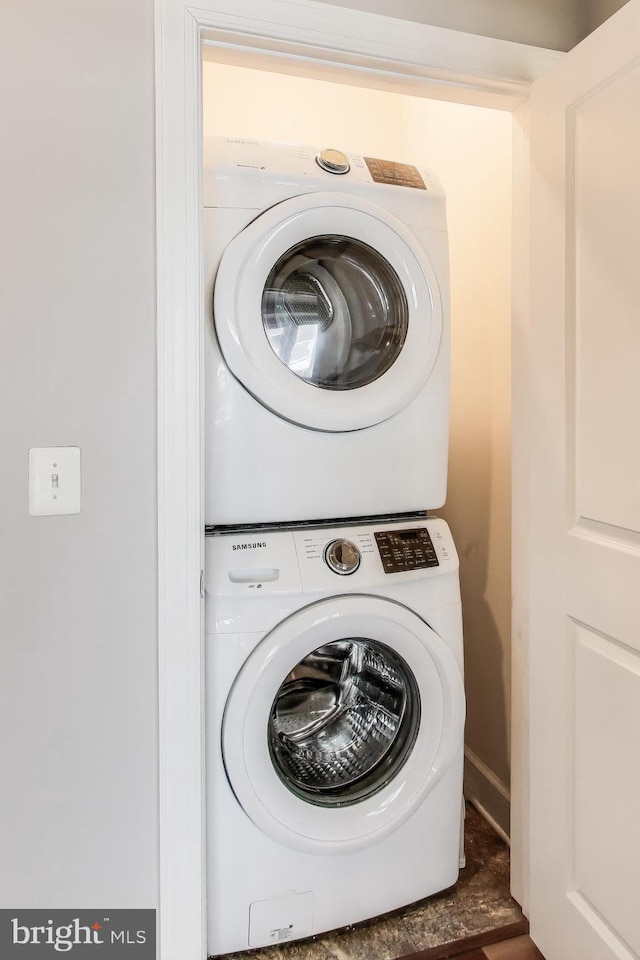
335 714
327 335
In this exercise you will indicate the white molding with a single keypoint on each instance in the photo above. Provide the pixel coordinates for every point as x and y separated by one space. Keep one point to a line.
351 46
520 536
180 547
486 791
495 826
305 37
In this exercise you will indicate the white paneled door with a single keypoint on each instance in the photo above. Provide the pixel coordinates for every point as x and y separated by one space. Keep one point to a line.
585 487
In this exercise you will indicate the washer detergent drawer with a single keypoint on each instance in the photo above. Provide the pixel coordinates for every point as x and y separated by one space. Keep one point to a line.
244 564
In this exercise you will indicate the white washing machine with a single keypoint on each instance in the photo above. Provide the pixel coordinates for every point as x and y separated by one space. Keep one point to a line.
335 714
327 335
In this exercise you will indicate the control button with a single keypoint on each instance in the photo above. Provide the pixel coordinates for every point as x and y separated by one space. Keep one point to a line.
333 161
342 557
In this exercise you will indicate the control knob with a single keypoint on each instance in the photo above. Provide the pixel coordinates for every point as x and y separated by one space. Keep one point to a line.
342 557
333 161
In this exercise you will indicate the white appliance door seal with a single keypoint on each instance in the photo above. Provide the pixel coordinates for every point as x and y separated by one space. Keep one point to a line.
282 813
251 344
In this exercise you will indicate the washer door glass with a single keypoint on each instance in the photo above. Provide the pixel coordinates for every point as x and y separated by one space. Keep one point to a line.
344 721
335 312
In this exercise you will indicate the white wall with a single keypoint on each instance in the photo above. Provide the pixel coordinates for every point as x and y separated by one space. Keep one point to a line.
78 687
470 149
268 106
554 24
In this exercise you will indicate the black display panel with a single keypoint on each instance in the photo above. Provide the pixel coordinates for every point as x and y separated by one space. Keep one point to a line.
398 174
402 550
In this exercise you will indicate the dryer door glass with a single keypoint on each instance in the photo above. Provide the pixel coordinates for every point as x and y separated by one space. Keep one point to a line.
335 312
344 721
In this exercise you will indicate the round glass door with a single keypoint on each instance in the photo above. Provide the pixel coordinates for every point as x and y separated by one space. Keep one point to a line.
328 311
335 312
340 721
343 722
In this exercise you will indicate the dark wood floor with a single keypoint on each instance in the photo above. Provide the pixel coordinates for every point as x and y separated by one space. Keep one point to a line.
510 942
518 948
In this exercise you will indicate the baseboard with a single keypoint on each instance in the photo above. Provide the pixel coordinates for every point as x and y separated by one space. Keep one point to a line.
487 792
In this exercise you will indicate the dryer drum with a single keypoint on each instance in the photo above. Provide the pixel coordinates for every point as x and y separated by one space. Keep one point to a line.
306 301
344 722
335 312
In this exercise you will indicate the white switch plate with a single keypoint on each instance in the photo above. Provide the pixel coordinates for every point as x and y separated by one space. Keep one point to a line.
54 481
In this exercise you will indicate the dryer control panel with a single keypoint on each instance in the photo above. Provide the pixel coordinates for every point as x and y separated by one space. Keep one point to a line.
402 550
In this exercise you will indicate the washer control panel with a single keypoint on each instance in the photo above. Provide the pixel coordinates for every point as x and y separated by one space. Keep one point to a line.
403 550
342 556
259 562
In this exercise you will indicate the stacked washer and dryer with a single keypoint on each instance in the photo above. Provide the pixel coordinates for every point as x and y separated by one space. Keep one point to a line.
334 678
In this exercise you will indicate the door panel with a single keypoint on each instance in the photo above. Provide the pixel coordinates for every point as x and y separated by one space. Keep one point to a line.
606 162
607 718
585 500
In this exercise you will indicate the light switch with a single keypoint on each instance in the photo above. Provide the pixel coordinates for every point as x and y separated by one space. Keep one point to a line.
54 481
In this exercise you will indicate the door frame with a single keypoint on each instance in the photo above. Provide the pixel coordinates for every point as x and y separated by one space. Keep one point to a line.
312 39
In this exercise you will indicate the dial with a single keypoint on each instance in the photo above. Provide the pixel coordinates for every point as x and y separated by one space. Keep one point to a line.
342 557
333 161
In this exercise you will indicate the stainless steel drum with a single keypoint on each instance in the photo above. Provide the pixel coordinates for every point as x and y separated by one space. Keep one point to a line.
344 721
